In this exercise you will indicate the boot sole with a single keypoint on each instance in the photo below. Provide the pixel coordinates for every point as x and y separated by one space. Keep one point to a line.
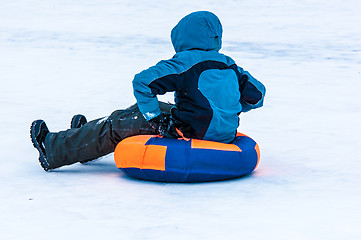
42 159
77 121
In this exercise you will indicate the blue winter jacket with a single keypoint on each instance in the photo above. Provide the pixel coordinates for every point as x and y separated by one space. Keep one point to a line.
210 89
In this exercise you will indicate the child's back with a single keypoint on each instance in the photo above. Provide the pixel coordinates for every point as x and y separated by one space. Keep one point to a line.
210 90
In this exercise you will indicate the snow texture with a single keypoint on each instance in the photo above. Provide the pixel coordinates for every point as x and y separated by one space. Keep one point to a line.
61 57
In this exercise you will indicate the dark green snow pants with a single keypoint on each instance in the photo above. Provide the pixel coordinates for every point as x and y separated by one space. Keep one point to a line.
98 137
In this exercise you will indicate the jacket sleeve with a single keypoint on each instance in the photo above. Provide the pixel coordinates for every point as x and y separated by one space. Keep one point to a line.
156 80
252 91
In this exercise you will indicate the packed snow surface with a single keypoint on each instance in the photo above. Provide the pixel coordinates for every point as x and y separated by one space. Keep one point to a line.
61 57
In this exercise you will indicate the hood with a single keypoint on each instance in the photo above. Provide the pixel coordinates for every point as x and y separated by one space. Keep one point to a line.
199 30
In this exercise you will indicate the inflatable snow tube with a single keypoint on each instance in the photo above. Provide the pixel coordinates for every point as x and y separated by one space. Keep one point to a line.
152 158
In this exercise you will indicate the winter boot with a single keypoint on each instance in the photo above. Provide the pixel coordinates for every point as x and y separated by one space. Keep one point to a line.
38 132
77 121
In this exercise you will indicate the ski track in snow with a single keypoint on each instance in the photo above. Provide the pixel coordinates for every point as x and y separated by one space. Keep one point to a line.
60 58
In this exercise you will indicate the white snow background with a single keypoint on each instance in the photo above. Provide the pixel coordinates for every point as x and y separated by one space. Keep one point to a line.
63 57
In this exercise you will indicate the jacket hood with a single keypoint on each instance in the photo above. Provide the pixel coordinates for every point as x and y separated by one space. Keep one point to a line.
199 30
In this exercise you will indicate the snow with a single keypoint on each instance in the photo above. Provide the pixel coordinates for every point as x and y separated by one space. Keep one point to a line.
60 57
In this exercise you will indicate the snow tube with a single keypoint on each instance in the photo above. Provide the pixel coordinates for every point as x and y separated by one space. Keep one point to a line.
158 159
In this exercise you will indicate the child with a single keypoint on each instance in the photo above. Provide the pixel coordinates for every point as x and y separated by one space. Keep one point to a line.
210 93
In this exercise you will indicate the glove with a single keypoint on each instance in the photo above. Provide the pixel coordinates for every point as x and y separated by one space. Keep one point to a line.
164 125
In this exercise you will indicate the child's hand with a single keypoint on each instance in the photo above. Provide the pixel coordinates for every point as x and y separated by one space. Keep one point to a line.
164 124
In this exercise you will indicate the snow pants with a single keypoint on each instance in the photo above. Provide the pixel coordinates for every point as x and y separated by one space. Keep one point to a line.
98 137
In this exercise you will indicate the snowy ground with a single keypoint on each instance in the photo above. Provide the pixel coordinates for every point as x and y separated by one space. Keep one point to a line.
62 57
